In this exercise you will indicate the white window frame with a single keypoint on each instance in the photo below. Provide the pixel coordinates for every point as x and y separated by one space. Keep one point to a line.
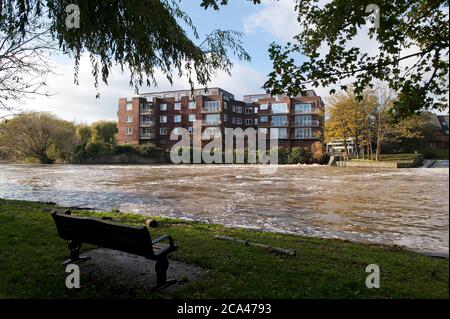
264 106
248 121
129 106
192 105
128 119
163 107
238 109
177 106
128 131
163 119
175 117
190 117
265 117
163 131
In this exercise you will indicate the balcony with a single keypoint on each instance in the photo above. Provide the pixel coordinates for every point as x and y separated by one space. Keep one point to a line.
145 111
211 123
312 123
147 136
147 124
211 109
279 124
312 137
310 111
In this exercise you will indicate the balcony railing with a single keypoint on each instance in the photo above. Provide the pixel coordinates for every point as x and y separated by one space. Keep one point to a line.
280 123
147 123
312 123
312 137
311 111
147 136
146 111
217 109
206 123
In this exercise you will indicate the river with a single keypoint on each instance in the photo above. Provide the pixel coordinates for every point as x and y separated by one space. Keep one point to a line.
407 207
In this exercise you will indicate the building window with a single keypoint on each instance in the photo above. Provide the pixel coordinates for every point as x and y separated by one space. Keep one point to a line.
256 121
146 131
163 107
192 105
279 121
177 118
233 120
225 117
248 122
248 110
302 108
282 133
129 106
192 118
128 131
190 130
128 119
225 105
279 108
147 106
263 119
303 120
302 133
163 119
238 109
212 119
163 131
177 106
233 108
212 106
239 120
146 119
177 130
263 106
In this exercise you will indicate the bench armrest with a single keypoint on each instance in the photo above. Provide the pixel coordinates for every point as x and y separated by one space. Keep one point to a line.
157 240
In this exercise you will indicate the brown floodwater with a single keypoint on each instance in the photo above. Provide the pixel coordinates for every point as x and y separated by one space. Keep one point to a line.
407 207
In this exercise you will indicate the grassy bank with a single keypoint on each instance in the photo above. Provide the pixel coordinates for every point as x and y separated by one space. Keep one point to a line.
31 254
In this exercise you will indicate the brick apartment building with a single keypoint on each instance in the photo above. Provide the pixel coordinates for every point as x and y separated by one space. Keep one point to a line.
152 116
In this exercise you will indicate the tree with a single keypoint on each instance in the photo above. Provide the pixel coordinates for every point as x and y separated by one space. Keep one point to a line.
23 66
385 98
104 132
39 136
138 35
412 55
83 133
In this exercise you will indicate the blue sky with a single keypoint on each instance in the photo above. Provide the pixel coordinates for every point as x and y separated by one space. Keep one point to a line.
271 21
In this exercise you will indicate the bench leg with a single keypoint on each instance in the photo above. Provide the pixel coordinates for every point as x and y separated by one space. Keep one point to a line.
74 247
161 274
161 271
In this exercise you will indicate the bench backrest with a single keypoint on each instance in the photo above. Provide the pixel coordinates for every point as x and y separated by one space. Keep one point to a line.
130 239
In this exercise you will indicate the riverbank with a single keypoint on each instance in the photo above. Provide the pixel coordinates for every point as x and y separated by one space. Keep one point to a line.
31 254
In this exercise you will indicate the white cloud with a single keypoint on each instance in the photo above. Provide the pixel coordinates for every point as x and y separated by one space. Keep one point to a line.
277 18
79 103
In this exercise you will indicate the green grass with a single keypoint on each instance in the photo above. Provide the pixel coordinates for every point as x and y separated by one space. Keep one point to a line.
435 153
398 158
31 254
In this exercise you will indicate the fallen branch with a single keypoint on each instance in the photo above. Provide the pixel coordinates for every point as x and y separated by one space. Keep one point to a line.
269 248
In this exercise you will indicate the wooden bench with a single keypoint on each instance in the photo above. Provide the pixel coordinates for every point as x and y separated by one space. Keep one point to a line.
129 239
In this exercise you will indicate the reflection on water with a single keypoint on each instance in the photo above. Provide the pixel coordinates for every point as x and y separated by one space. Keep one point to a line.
406 207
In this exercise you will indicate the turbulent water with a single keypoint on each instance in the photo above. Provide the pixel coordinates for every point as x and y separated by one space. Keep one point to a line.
407 207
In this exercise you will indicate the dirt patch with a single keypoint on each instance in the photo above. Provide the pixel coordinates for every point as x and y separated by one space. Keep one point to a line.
133 272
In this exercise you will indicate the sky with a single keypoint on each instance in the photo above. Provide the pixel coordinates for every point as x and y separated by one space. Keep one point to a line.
271 21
